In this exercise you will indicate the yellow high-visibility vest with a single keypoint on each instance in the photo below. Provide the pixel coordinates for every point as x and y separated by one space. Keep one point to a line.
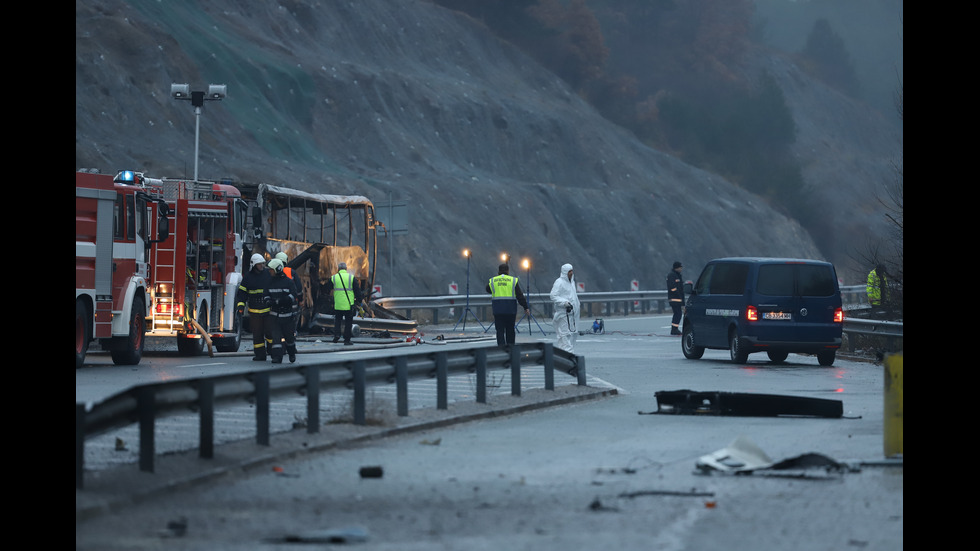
343 290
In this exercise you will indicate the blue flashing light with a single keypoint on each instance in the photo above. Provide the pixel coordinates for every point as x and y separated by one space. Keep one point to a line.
126 177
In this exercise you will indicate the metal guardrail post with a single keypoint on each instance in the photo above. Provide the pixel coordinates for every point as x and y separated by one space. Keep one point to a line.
312 399
481 375
515 370
262 408
360 393
442 381
79 446
145 399
580 370
401 385
548 359
205 398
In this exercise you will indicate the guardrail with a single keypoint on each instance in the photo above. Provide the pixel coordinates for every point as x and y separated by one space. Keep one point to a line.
882 335
594 304
144 404
873 327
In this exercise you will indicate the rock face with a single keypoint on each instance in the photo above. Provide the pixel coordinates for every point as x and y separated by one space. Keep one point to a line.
412 102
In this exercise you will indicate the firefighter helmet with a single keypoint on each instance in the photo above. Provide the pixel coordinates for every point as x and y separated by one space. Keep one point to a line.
256 259
276 266
282 256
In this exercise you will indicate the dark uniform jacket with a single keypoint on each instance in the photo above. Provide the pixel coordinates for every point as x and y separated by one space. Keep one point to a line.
283 295
253 291
675 287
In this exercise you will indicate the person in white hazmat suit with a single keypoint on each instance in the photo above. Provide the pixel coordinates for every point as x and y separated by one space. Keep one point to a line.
567 309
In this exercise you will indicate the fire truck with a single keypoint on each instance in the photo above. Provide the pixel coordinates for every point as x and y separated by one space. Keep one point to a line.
112 270
196 270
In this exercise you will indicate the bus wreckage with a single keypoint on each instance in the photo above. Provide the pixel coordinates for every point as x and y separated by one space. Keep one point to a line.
317 232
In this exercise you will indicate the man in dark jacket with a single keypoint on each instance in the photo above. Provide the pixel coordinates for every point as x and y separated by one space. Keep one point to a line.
254 291
505 294
283 294
675 296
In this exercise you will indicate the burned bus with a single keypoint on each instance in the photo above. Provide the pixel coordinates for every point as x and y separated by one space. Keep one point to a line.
317 232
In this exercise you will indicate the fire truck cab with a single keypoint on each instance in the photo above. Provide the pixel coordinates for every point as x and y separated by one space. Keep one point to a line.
112 249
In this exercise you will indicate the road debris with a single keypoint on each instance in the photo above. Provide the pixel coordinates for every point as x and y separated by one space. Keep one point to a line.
353 534
744 457
690 402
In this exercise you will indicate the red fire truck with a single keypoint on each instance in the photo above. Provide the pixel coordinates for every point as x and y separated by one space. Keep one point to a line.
112 243
196 270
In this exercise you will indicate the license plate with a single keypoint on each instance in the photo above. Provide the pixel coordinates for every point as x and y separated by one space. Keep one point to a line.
777 316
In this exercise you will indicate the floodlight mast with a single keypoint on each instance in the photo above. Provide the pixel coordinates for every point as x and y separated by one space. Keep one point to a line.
216 92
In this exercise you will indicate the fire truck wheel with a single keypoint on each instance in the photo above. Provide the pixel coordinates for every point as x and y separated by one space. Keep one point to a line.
128 350
81 333
231 344
193 347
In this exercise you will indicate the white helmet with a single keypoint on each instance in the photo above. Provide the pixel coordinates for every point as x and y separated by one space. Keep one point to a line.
276 265
282 256
256 259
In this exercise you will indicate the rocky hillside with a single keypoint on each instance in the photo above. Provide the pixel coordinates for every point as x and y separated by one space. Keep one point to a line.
403 99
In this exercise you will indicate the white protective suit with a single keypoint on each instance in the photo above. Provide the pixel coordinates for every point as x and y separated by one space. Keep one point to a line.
563 294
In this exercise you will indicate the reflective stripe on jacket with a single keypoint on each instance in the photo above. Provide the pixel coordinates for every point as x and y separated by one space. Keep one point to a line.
253 290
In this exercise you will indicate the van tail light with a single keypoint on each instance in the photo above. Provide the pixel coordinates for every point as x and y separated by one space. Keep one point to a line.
751 313
839 315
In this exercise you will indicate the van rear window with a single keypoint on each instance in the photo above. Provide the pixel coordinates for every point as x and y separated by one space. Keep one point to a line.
810 280
728 279
776 280
816 281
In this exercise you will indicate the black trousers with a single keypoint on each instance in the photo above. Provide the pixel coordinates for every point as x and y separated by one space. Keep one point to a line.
675 322
505 328
258 324
283 335
345 317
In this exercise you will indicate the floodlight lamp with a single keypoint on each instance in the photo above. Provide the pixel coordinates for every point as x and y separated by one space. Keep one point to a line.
526 264
217 91
180 91
466 253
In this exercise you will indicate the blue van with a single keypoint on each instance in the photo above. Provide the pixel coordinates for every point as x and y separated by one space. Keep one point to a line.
772 305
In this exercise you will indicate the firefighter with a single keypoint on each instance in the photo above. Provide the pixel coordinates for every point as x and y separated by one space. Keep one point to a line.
299 288
282 297
675 296
346 298
254 292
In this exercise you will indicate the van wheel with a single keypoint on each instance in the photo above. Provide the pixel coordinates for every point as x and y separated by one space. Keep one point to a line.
777 357
691 350
737 348
827 357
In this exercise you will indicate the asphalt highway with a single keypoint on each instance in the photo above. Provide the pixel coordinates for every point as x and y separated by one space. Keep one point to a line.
576 468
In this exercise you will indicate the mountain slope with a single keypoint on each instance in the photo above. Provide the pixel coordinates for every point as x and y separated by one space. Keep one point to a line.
406 100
